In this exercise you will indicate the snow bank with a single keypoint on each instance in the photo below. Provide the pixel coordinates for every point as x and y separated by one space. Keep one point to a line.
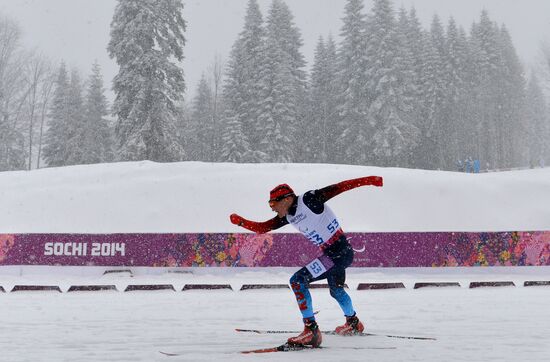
198 197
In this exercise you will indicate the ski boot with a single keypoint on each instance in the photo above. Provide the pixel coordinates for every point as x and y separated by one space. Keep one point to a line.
311 336
352 326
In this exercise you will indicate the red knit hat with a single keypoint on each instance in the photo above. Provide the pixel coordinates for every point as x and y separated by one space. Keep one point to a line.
280 192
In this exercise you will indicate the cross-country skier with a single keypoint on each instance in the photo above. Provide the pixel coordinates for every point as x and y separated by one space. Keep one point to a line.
316 221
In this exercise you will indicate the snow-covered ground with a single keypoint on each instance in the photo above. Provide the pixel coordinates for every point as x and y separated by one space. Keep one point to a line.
483 324
198 197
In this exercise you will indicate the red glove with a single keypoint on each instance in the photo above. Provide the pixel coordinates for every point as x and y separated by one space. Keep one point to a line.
258 227
375 181
362 181
332 190
236 219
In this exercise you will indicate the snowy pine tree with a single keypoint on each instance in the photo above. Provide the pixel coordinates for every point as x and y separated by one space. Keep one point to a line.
486 59
390 83
78 132
97 141
454 68
200 145
431 91
511 101
56 150
538 125
439 96
75 127
323 93
419 49
465 114
242 92
12 95
147 42
235 139
353 131
283 86
235 144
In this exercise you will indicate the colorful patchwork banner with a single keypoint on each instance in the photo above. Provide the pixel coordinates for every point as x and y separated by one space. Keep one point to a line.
270 250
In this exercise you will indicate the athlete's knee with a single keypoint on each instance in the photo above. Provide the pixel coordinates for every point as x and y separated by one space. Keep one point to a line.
337 293
298 278
295 281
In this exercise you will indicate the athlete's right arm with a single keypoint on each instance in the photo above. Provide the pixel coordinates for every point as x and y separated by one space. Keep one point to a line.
258 227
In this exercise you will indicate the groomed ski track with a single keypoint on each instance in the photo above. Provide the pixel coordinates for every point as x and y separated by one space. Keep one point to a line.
481 324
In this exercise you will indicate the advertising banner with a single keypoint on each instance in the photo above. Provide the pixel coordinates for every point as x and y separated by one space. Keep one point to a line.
400 249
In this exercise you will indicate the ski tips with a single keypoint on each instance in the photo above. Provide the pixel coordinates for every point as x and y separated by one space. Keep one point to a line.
248 330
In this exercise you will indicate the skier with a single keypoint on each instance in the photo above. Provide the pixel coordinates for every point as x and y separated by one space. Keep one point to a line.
316 221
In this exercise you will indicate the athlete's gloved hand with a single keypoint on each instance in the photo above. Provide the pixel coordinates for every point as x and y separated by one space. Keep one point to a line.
236 219
375 181
364 181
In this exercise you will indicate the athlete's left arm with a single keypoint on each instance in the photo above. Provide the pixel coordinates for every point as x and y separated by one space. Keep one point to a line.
328 192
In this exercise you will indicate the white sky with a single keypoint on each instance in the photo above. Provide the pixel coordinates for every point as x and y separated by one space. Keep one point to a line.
77 31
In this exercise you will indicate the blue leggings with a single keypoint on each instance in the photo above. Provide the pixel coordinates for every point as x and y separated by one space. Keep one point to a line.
336 278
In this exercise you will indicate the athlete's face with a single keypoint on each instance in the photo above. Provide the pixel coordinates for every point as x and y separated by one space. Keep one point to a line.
281 206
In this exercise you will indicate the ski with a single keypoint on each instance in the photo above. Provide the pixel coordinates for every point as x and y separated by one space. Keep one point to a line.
287 347
170 354
282 348
333 333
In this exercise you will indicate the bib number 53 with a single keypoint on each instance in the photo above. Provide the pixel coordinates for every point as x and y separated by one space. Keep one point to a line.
333 226
319 266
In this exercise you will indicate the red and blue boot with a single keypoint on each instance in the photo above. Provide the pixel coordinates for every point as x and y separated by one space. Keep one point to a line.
311 336
352 326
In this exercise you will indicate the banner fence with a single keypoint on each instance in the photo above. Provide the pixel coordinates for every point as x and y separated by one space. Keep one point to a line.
400 249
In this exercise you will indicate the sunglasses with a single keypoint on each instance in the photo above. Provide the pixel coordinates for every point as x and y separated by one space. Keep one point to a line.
277 199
